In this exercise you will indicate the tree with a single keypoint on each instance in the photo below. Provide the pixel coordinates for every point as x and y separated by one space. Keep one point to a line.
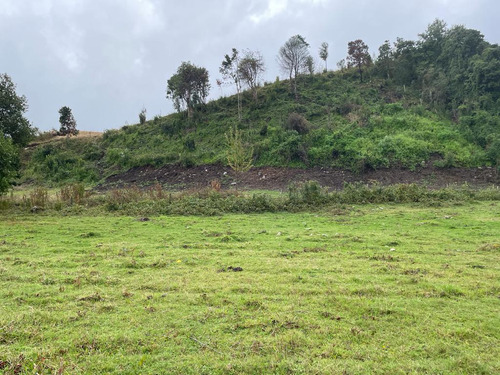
310 65
229 71
13 124
292 58
8 162
385 60
250 67
358 56
341 65
239 155
323 53
67 121
15 129
188 87
142 116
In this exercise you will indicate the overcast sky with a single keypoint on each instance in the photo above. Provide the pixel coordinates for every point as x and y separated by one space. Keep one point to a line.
106 59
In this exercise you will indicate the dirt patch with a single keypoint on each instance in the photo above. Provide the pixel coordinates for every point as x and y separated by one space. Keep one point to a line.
275 178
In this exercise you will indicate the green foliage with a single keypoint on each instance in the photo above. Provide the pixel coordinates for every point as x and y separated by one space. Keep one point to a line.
239 154
358 56
67 121
15 130
13 124
8 163
189 87
65 161
298 123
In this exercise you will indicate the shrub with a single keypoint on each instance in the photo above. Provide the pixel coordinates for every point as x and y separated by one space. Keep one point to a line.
298 123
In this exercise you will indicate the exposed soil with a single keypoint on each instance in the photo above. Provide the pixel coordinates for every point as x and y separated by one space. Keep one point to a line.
277 178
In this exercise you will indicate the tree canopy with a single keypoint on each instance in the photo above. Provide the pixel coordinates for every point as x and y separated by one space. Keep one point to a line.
188 87
15 129
358 56
13 124
67 121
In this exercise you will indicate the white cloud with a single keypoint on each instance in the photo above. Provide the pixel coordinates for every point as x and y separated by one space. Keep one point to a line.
147 16
274 7
9 8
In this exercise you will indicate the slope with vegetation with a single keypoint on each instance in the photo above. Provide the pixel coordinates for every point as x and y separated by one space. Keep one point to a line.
435 100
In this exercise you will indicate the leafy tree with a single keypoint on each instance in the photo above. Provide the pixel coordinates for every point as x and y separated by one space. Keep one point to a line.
142 116
13 124
484 77
250 67
405 55
431 40
385 62
230 72
293 57
323 53
358 56
67 121
15 130
8 162
188 87
310 64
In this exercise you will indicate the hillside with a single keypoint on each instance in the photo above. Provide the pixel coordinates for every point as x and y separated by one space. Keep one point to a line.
412 110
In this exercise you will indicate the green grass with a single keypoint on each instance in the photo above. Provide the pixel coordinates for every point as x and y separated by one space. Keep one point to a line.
368 289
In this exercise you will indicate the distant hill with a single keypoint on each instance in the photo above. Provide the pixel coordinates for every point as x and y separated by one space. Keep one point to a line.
435 100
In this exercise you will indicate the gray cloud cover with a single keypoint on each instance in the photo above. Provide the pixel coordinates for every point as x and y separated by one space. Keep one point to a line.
107 59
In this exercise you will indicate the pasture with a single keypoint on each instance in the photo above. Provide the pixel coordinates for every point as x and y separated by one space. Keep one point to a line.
389 288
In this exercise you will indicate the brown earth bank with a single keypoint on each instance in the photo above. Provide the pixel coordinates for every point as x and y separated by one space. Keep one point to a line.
278 178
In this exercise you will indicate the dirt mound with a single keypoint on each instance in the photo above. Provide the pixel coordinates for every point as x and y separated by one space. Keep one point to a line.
276 178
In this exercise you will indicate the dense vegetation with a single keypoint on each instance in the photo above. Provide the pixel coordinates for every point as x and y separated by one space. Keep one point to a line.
435 100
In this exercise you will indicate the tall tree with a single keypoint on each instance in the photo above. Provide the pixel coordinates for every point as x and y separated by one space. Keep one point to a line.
358 56
67 121
323 53
229 71
15 130
13 124
431 40
250 68
385 61
292 58
188 87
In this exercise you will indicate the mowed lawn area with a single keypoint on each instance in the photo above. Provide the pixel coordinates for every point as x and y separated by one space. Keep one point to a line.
388 289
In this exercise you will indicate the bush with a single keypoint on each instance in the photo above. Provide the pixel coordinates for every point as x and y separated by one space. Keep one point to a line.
298 123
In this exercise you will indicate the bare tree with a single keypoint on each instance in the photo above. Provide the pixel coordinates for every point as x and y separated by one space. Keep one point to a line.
323 53
250 67
293 57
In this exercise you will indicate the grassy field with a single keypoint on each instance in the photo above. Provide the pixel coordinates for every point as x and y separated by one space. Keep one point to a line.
399 289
